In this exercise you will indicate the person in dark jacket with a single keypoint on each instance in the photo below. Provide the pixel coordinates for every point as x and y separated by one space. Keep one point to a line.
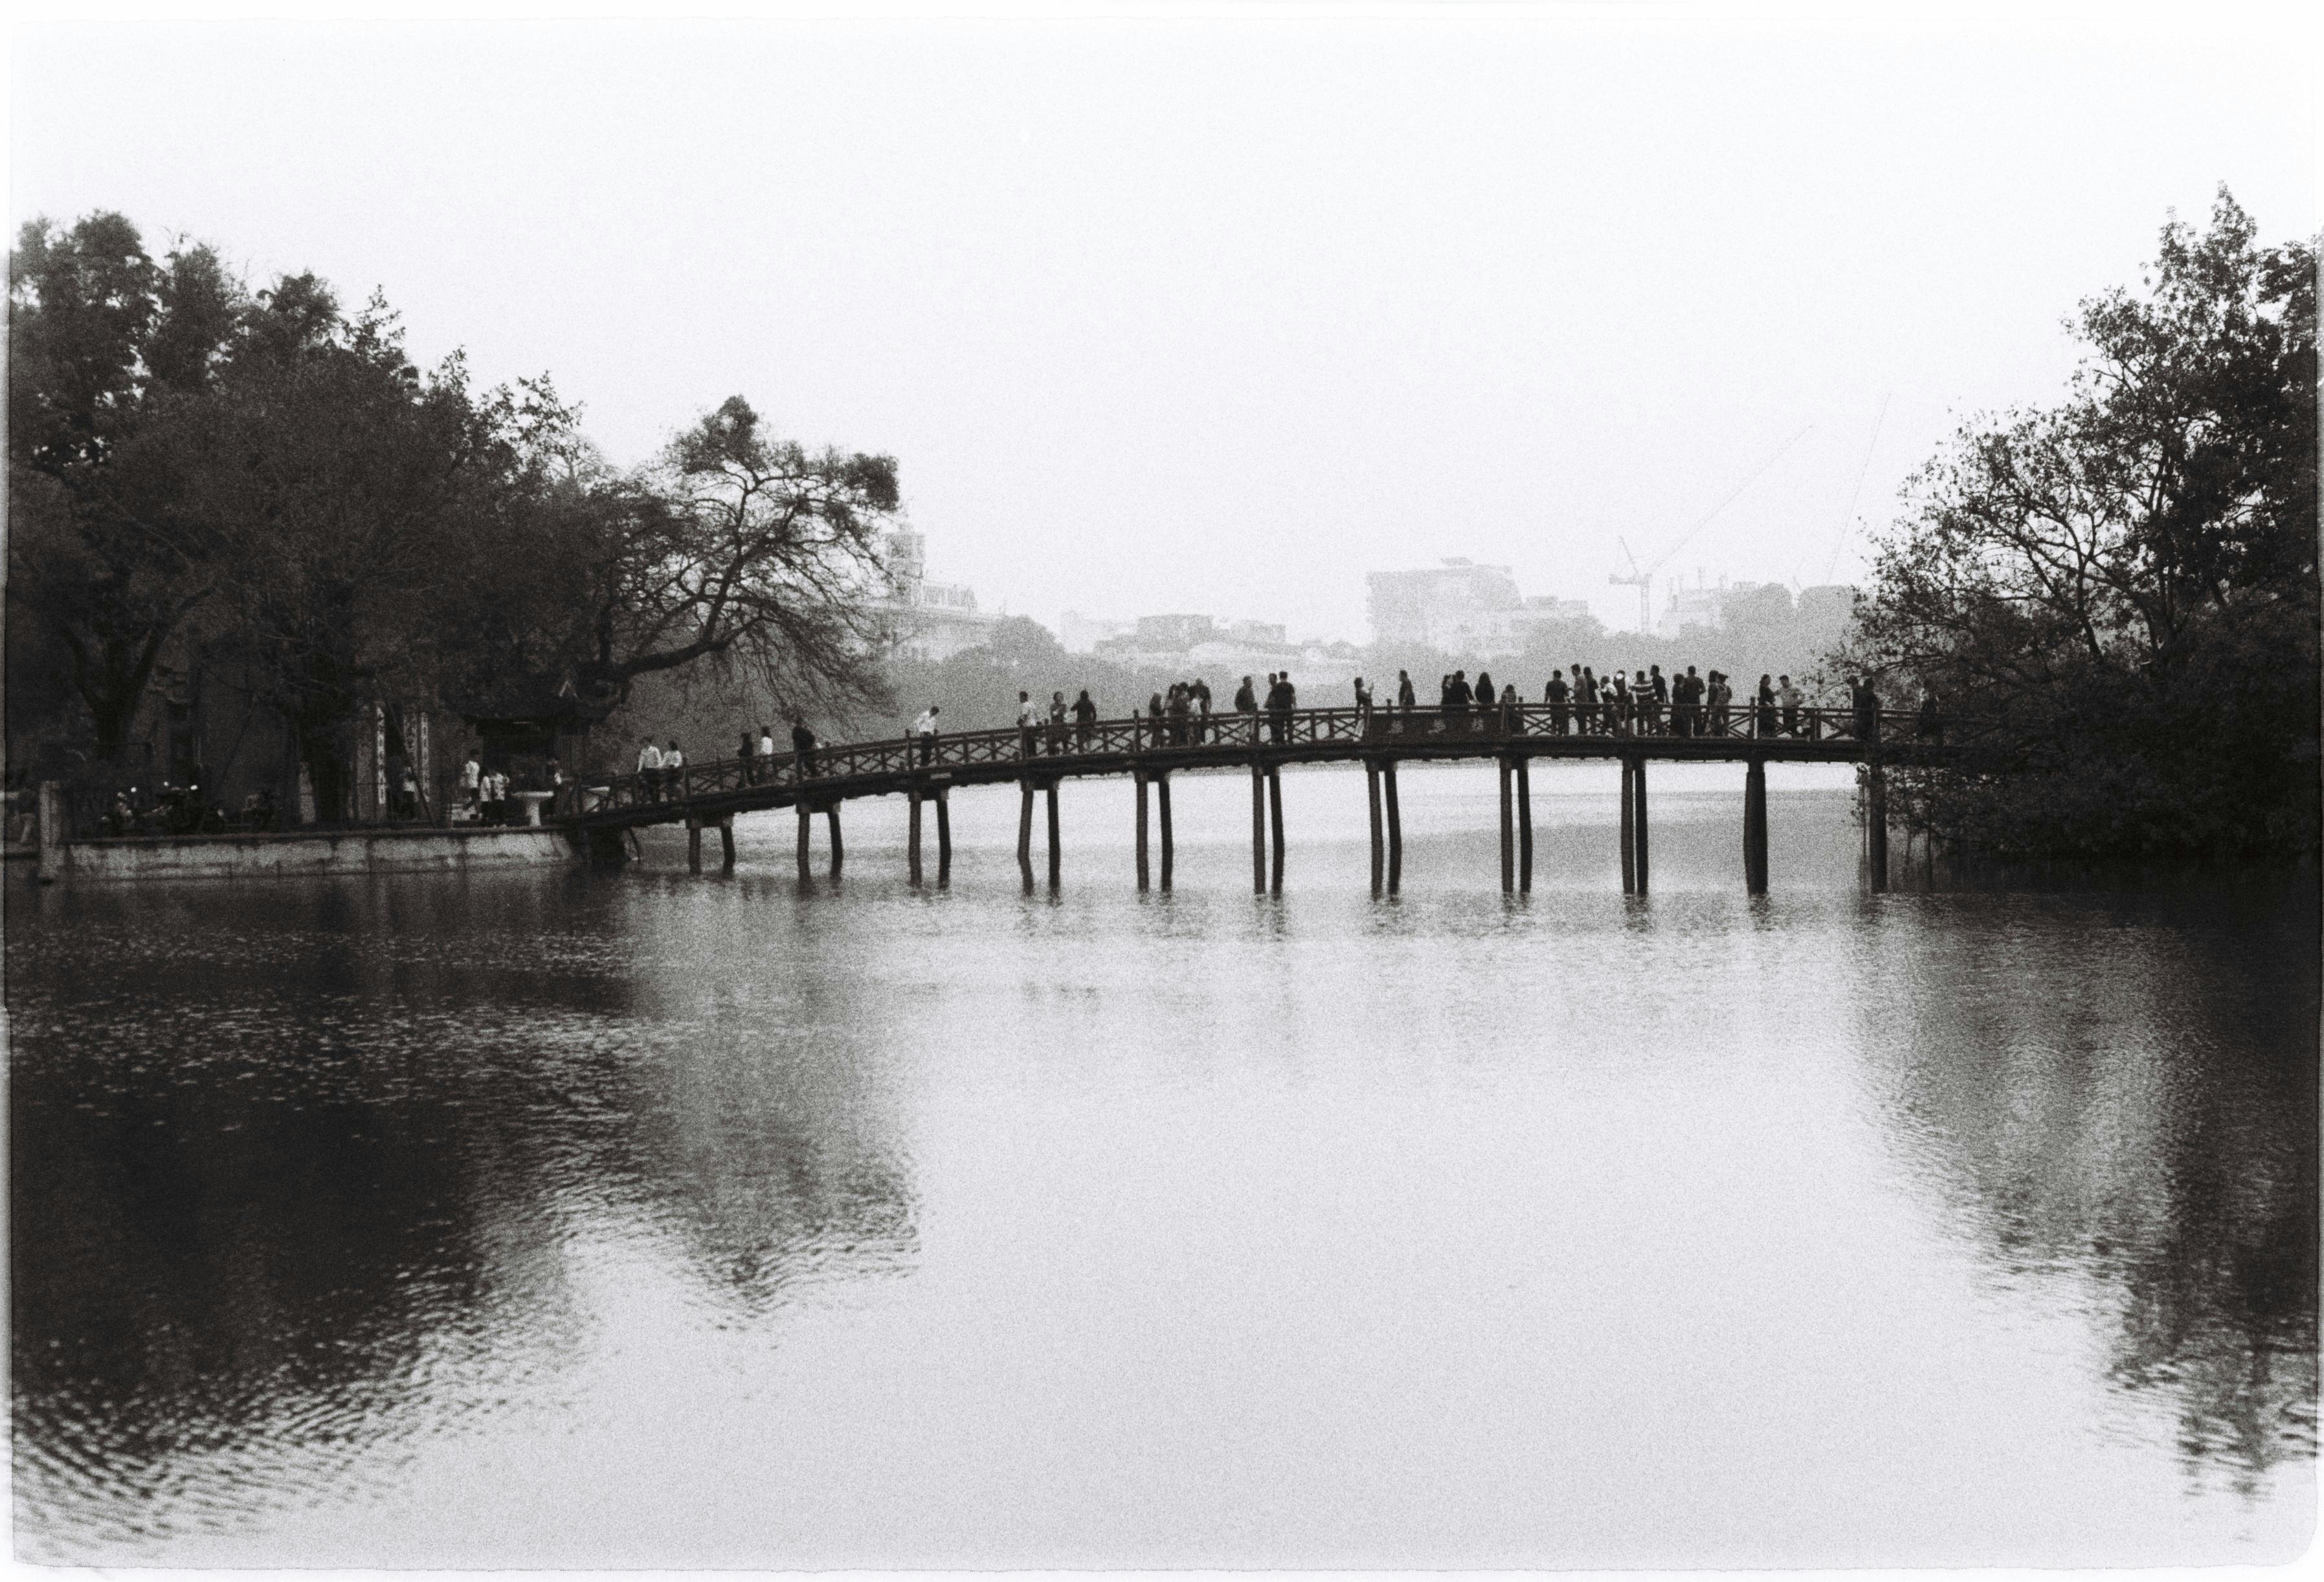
1556 696
1084 720
1867 704
803 746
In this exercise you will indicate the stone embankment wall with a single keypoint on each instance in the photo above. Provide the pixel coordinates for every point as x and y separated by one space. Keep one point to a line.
319 852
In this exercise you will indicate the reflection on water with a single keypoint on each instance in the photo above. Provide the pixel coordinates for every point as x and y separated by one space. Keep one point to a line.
2167 1183
641 1219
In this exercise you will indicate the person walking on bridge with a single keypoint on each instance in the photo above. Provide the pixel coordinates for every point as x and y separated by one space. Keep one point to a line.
744 756
1199 694
1867 704
1280 700
1763 713
1485 700
1246 703
649 772
1556 695
1657 698
1363 707
1175 707
1932 723
1056 723
1029 719
767 751
802 748
1084 720
1403 698
1788 697
925 728
673 768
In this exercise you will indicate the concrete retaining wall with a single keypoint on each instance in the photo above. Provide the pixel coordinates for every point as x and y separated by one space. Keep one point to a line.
320 851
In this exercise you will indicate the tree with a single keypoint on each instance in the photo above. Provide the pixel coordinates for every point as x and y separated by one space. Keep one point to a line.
740 549
358 513
2123 586
101 570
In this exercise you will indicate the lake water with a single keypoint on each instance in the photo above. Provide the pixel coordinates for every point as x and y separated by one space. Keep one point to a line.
638 1219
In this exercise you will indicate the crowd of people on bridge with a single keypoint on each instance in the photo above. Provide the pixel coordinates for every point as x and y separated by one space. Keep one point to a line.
1575 701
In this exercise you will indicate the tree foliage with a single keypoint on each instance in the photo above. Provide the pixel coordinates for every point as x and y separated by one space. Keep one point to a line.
102 338
2121 587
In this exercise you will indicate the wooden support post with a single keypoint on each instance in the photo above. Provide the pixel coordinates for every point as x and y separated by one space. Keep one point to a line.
805 827
53 831
1025 833
912 835
1275 829
1508 829
944 837
1525 826
1638 774
1257 829
1373 799
1049 794
838 848
1137 778
1875 825
693 847
1395 826
1162 806
1755 827
726 844
1629 848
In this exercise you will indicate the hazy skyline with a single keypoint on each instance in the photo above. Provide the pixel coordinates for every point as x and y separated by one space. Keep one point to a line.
1192 315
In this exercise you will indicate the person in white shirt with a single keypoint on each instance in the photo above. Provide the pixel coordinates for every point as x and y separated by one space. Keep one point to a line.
1029 715
1788 695
925 728
673 767
649 772
471 778
767 751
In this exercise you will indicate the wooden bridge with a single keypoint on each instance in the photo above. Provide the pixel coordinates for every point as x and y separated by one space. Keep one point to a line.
1150 750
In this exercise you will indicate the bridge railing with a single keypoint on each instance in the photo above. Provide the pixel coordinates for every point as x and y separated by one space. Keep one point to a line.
1146 734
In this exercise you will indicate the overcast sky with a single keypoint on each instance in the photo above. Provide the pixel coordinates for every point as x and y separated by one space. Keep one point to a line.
1192 314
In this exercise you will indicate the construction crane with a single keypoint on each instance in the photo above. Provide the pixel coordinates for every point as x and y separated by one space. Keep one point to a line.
1643 579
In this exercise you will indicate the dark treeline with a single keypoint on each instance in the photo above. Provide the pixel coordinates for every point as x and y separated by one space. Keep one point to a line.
257 487
2121 587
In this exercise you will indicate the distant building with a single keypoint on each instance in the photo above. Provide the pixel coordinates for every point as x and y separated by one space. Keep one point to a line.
929 621
1172 633
1081 634
1543 610
1456 608
1699 607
